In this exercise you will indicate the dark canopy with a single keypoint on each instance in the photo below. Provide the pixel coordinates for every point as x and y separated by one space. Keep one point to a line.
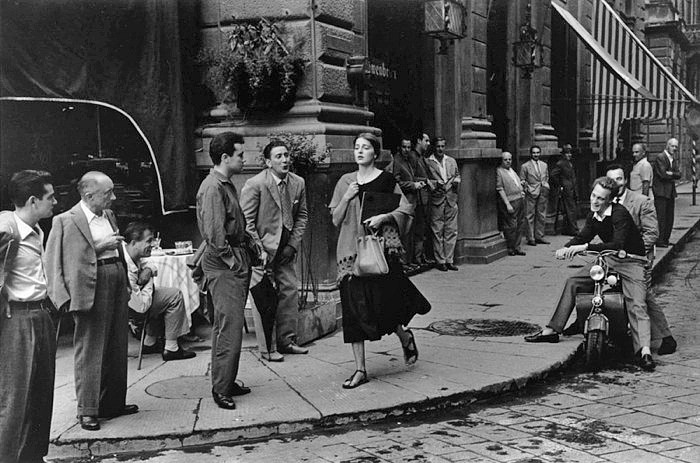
126 53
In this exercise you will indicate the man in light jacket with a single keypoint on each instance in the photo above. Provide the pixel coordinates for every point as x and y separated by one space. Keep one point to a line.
536 177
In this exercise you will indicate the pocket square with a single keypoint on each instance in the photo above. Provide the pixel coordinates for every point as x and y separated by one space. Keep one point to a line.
295 201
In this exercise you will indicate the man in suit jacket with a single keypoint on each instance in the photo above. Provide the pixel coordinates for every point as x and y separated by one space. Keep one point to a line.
87 277
666 172
27 342
443 205
274 205
643 214
564 180
536 181
408 170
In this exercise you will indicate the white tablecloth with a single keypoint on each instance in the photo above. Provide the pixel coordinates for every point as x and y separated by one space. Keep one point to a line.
174 272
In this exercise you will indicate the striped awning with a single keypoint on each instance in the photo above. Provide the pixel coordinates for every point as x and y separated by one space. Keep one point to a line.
628 81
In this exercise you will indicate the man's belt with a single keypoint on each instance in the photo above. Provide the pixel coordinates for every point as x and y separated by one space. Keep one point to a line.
109 260
15 306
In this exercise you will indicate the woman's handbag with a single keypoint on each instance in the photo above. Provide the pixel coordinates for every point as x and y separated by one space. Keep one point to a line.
370 260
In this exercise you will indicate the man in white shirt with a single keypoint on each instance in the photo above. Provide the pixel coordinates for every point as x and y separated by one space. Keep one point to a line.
27 342
535 176
159 301
642 174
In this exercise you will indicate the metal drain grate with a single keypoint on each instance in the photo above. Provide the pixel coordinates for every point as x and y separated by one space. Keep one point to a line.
482 327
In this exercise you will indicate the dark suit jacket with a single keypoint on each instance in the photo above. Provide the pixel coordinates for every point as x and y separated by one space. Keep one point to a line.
262 207
71 260
564 176
406 171
664 185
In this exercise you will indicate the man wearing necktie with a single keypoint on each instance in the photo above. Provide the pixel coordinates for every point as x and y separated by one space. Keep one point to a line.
536 184
87 277
274 205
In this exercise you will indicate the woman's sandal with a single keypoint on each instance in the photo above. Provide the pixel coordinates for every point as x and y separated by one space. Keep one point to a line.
410 350
347 384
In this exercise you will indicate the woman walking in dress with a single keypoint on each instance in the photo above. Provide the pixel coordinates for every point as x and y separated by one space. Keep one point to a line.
373 305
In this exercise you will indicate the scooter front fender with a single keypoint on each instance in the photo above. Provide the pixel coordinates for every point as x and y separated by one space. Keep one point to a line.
597 321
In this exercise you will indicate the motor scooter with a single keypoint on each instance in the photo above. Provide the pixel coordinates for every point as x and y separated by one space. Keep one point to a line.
604 310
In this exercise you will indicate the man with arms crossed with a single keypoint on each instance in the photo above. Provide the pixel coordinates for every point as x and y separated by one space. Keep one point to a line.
225 263
617 231
274 204
666 172
86 274
27 333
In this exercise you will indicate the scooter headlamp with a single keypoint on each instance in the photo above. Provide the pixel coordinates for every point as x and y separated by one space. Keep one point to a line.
612 280
597 273
597 301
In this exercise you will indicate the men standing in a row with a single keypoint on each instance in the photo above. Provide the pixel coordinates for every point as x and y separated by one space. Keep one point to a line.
666 172
86 274
226 263
510 206
642 173
536 177
274 205
443 205
564 181
409 172
27 333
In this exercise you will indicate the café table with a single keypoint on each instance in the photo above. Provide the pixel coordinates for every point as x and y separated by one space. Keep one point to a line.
174 272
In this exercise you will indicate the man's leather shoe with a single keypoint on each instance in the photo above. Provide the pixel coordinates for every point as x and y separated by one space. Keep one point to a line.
646 362
531 243
668 346
441 267
237 390
518 252
224 401
179 354
539 337
452 267
574 328
542 242
156 348
89 423
292 348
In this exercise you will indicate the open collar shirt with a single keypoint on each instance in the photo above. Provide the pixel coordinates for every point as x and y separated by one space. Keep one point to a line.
100 228
26 279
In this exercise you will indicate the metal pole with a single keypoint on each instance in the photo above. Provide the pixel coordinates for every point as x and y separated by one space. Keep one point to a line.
695 178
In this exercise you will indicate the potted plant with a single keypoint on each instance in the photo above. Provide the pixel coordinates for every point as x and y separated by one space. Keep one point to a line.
257 68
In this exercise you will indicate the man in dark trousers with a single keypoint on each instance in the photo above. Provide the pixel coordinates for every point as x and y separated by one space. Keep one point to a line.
87 276
511 208
274 204
27 338
563 179
226 263
666 172
617 231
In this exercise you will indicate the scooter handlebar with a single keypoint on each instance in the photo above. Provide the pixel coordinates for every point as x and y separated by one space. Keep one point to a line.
619 253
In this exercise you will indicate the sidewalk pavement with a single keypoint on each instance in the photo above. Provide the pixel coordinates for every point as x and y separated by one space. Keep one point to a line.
304 392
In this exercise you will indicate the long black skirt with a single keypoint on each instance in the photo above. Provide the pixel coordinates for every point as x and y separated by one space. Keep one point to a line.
375 306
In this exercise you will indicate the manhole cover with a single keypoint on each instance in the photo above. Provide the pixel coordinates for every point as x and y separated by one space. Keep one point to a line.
184 387
482 327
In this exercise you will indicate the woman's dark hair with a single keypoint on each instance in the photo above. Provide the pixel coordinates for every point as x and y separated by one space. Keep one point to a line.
223 144
373 140
27 183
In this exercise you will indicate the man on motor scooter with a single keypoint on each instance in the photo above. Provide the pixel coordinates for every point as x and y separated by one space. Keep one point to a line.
617 231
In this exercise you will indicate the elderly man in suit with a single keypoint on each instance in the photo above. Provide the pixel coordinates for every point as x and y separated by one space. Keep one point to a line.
666 172
644 216
87 276
443 205
536 181
564 180
274 205
27 342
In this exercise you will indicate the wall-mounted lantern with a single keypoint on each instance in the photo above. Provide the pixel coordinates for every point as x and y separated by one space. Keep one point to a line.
527 52
445 20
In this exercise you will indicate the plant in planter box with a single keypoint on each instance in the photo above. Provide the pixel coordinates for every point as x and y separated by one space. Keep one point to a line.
257 67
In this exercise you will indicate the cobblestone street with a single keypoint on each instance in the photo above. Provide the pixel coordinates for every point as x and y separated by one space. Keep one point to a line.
621 414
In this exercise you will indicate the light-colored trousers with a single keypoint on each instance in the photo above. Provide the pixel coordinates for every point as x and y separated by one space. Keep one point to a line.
168 305
443 224
535 208
659 324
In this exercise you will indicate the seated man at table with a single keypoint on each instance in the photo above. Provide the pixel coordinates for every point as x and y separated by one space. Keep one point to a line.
163 302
